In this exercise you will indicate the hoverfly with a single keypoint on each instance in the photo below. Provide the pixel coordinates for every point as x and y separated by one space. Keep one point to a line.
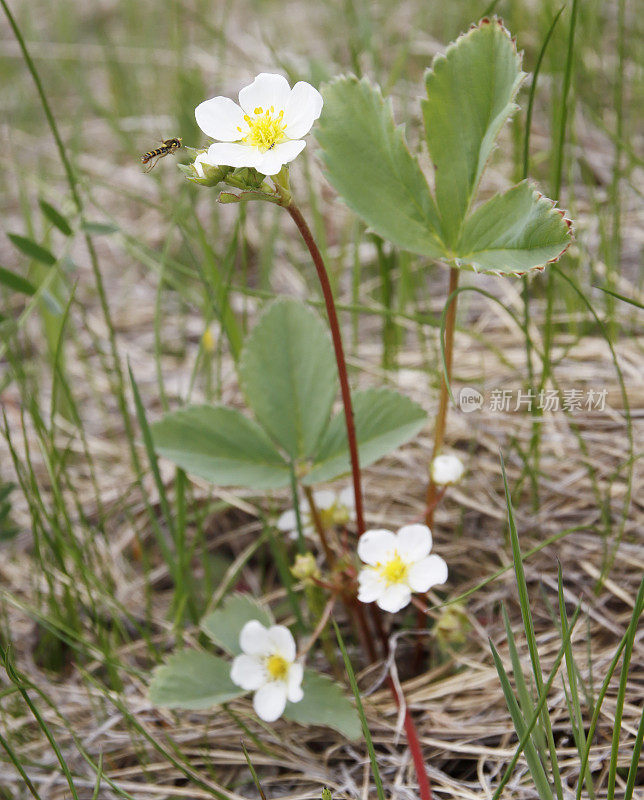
168 146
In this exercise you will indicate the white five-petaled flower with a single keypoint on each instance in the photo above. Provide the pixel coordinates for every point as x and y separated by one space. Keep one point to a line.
397 565
447 469
267 667
265 130
335 508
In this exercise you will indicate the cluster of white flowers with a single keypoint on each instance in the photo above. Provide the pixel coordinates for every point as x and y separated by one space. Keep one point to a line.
264 131
268 667
334 508
397 565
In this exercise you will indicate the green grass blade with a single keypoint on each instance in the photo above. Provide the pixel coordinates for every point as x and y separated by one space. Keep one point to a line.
13 757
635 760
252 771
631 300
540 705
576 716
627 414
21 684
363 718
630 632
525 700
528 625
535 764
533 90
619 711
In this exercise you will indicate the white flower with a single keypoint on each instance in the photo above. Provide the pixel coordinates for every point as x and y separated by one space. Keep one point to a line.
447 469
268 668
265 130
398 564
335 508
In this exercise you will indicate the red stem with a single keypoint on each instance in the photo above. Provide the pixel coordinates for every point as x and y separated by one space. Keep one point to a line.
304 229
356 610
424 786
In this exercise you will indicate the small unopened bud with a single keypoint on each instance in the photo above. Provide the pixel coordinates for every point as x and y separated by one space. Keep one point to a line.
208 341
447 469
453 625
203 173
326 794
305 568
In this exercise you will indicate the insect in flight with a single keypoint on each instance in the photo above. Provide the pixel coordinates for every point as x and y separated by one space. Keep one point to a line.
168 146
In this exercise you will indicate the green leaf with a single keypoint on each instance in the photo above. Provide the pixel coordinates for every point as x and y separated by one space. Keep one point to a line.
288 374
55 217
513 232
370 166
221 445
99 228
224 625
32 249
470 93
384 420
193 679
16 282
324 703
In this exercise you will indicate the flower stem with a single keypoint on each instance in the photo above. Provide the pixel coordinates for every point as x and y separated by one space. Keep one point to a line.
443 404
355 610
336 335
319 527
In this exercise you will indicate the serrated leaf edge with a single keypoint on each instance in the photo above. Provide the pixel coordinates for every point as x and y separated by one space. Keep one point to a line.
464 264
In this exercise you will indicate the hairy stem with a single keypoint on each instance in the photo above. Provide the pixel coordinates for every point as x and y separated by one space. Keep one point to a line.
336 335
443 404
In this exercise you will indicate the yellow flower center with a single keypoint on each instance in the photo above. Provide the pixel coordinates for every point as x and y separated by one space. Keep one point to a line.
394 571
265 129
277 667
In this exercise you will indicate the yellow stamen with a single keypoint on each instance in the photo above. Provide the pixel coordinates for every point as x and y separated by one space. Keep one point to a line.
265 130
277 667
394 571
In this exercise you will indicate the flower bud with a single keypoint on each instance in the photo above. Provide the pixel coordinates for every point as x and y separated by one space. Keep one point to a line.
305 568
447 469
452 626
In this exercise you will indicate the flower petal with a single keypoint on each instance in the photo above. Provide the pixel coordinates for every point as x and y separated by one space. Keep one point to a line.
265 91
200 160
304 106
282 642
325 499
370 585
272 161
270 700
254 639
287 521
248 672
395 597
426 573
230 154
220 118
414 542
294 683
377 546
347 497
